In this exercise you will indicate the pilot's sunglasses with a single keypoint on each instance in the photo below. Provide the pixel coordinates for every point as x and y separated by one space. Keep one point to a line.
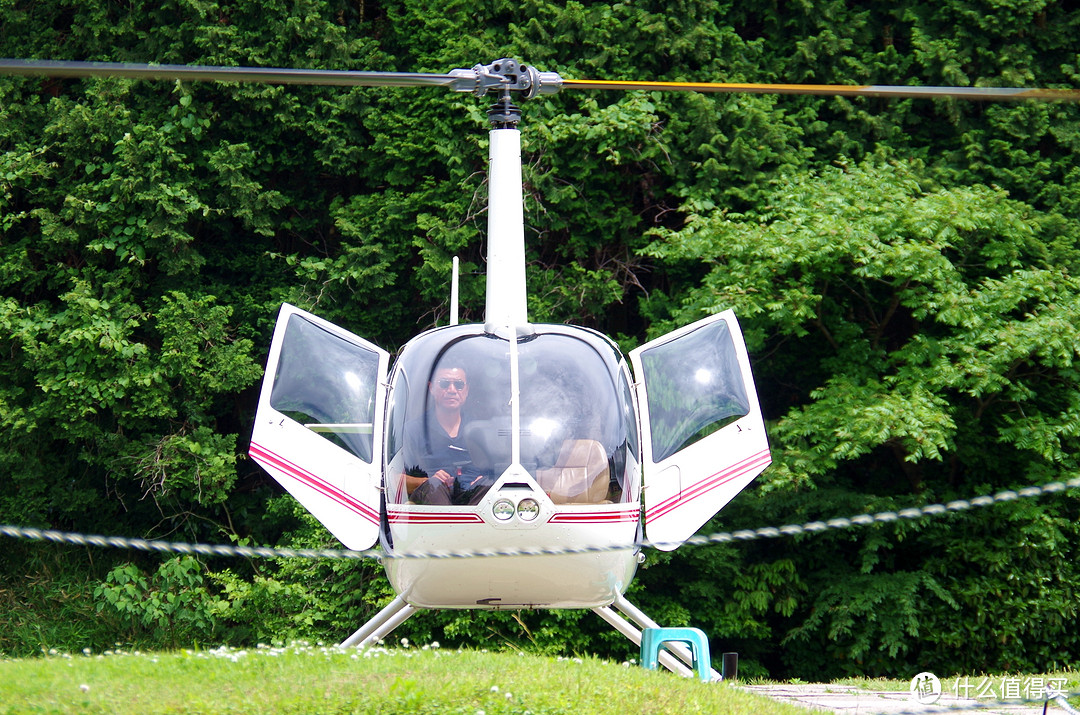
445 384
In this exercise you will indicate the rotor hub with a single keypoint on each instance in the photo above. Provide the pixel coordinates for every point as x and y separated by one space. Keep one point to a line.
506 75
504 114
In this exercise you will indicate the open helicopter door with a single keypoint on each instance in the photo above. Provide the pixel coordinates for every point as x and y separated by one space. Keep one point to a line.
318 430
703 437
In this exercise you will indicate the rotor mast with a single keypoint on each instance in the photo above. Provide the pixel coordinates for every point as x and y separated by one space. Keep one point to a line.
506 294
506 307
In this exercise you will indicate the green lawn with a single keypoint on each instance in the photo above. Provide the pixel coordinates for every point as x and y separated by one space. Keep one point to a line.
314 679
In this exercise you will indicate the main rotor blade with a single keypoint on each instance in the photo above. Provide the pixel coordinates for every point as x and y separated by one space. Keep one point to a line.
465 81
844 90
264 75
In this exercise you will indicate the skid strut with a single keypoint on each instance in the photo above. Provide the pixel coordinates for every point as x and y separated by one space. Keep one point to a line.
685 660
630 624
381 624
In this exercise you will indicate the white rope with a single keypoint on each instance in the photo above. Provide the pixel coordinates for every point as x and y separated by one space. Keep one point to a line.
768 532
1064 705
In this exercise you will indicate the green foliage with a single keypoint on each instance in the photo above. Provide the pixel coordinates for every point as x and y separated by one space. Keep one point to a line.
290 599
937 319
1020 575
905 273
173 602
47 600
925 342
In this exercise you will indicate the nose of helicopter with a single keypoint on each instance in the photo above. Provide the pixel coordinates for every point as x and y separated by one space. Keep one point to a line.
516 502
520 521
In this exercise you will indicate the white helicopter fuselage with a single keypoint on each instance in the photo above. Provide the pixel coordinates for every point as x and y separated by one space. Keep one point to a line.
566 580
567 458
497 522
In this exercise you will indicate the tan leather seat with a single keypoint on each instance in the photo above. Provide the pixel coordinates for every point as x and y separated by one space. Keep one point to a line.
580 475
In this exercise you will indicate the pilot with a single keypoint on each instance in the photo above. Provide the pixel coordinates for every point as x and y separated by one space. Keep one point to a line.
438 468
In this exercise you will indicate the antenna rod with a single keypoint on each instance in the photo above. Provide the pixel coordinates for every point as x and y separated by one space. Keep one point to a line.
454 293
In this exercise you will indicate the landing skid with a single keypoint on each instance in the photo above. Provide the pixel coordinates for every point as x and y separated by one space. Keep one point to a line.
380 625
685 660
398 611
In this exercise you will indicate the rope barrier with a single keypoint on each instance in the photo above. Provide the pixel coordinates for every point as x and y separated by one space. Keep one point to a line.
768 532
1064 705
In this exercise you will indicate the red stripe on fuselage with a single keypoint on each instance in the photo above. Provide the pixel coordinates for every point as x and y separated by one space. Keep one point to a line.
471 517
263 455
595 517
759 460
427 517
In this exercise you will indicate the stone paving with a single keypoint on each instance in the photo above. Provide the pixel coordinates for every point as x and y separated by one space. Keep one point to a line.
852 700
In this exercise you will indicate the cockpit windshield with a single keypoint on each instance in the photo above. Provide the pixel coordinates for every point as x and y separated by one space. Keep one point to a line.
467 405
573 430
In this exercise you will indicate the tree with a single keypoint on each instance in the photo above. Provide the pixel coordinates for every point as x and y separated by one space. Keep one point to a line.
923 345
148 232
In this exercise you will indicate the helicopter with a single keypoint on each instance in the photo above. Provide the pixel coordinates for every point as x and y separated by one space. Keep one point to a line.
550 437
552 433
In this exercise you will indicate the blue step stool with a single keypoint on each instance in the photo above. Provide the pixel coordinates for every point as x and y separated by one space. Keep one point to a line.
653 638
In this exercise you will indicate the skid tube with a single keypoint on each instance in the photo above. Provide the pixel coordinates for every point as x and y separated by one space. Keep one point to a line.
380 625
685 658
398 611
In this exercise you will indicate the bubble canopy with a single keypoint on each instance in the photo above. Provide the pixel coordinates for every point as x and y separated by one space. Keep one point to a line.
467 404
471 422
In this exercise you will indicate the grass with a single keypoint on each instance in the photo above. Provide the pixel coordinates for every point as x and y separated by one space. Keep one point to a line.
314 680
46 598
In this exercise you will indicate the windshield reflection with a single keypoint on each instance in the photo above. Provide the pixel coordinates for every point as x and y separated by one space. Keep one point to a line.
451 429
327 384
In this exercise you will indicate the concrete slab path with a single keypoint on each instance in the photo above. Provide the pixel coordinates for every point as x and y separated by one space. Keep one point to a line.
852 700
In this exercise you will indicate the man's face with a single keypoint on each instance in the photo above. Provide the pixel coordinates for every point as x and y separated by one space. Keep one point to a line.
450 388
